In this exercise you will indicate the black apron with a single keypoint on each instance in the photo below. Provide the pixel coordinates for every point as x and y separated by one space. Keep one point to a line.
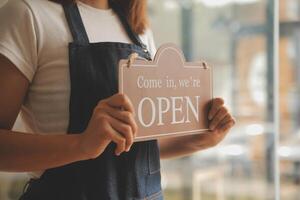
94 76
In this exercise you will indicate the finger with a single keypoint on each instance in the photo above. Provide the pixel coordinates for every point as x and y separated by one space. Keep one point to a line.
117 139
221 122
121 101
216 105
226 126
227 119
123 129
124 116
221 114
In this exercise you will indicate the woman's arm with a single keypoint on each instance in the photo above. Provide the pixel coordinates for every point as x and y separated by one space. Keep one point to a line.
27 152
21 152
33 152
220 123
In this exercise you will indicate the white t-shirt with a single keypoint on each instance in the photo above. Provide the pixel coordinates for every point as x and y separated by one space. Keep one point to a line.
34 35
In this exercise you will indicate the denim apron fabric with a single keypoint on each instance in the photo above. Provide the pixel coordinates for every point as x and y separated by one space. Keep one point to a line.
94 76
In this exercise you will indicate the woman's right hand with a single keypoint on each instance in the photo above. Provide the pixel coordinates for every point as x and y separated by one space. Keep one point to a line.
112 121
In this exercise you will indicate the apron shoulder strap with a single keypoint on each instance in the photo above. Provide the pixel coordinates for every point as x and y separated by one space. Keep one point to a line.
78 30
75 23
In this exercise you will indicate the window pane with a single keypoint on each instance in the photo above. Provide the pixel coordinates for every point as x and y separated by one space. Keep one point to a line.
289 48
232 37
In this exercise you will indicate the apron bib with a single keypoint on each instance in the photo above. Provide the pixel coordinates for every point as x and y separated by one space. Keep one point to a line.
94 76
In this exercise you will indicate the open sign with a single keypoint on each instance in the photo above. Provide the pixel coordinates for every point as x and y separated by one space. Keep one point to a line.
170 95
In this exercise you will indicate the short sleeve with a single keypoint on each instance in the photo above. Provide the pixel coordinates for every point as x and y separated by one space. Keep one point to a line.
18 40
148 39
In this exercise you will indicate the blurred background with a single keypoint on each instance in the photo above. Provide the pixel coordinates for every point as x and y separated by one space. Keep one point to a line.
289 150
236 38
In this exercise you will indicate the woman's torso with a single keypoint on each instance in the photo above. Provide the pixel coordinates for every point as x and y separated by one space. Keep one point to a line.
36 40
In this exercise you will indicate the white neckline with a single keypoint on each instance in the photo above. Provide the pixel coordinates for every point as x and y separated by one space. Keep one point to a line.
96 10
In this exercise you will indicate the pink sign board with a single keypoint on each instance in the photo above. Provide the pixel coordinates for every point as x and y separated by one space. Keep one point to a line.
170 95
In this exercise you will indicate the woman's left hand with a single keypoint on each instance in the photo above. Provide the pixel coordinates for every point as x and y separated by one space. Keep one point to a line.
220 122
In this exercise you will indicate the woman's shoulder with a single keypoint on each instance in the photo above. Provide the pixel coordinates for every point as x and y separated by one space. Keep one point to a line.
148 34
148 39
18 8
15 13
14 7
21 5
27 13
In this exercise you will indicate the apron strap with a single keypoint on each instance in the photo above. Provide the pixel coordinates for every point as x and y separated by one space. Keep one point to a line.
79 32
75 23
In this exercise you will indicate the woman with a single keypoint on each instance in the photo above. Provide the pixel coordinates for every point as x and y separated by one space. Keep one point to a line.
58 66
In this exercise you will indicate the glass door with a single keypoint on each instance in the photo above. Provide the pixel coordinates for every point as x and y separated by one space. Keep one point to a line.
289 48
236 38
